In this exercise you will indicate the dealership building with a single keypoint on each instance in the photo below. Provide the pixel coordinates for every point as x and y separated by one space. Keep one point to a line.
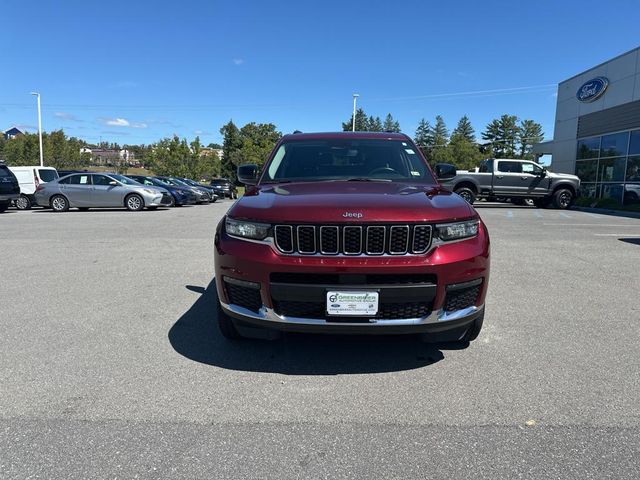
597 129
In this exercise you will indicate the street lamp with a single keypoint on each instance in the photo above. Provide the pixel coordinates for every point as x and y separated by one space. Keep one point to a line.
353 119
39 127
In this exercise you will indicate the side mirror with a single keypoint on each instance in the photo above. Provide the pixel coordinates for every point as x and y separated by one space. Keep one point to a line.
445 171
543 173
248 174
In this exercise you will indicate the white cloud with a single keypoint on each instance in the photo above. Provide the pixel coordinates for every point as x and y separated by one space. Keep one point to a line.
238 61
66 116
201 132
122 122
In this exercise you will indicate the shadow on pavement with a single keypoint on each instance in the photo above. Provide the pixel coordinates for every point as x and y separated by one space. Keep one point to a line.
195 335
98 209
633 241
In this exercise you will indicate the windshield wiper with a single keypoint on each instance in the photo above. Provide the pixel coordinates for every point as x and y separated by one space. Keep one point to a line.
363 179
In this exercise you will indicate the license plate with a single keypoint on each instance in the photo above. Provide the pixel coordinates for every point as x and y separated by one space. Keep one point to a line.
361 304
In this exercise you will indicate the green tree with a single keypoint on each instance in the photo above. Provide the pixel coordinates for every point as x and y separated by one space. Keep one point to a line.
424 137
502 135
390 125
362 122
258 139
529 133
465 130
375 124
231 144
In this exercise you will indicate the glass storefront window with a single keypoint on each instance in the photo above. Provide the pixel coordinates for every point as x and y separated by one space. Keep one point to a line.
587 170
588 148
632 194
633 169
612 191
588 190
614 145
634 143
612 169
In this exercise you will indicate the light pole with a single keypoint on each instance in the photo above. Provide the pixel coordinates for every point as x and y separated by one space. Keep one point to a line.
39 127
353 119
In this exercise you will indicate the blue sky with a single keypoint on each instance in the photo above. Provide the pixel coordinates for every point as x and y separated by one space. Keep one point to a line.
136 71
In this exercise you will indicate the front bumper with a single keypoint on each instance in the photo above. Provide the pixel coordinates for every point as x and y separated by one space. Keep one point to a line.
444 269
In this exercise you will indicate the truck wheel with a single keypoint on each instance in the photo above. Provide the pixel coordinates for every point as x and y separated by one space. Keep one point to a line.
466 193
23 203
563 198
226 326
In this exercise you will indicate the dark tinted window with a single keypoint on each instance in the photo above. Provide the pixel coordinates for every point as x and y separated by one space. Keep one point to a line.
47 175
633 169
101 180
588 148
486 166
344 159
5 172
510 167
79 180
614 145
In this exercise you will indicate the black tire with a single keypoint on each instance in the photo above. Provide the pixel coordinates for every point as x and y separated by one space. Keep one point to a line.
474 329
134 202
226 326
172 203
3 207
83 209
59 203
466 193
23 203
517 201
563 198
152 208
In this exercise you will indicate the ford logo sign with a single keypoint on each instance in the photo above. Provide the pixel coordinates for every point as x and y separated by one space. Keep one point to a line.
592 90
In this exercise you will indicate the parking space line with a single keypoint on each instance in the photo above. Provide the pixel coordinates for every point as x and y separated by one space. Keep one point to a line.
626 235
565 215
509 214
538 214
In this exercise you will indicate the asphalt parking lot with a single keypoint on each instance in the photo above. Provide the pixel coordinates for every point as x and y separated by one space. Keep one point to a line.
111 365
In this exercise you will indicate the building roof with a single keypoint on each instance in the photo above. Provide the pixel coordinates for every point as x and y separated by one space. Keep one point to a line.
13 131
600 64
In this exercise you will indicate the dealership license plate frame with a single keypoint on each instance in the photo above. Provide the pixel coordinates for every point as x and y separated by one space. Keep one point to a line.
368 308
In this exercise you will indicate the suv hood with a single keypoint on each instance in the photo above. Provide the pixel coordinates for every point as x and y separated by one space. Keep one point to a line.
349 202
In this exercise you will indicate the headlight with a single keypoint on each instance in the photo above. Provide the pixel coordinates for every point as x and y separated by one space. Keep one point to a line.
241 228
458 230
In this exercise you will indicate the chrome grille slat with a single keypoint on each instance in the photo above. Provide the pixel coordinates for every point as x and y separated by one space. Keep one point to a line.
353 240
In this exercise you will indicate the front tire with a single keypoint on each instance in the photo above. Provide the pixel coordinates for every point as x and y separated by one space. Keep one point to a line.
563 198
134 202
23 203
59 203
466 193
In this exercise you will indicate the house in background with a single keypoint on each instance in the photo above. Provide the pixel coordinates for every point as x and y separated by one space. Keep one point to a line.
13 132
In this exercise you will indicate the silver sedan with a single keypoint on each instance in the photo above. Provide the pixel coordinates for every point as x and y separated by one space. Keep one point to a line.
99 190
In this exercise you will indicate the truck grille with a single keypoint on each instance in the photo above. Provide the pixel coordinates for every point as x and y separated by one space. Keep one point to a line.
353 239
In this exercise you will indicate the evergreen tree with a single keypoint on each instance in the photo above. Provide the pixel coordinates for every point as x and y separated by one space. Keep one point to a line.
529 133
424 137
390 125
465 130
502 134
362 122
231 144
374 124
440 133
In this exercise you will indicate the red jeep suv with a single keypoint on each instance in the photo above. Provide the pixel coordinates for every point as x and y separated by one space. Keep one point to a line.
350 233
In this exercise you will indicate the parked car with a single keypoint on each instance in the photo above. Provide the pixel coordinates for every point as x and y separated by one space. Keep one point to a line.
212 191
9 187
229 189
29 178
179 195
350 232
513 179
64 173
202 195
99 190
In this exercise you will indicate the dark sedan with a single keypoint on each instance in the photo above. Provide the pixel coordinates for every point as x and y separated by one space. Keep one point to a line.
214 192
179 195
202 195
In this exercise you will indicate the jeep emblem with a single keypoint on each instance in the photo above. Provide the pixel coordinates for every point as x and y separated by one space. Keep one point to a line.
352 215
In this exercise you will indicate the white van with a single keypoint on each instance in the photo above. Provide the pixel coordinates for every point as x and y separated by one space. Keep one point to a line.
29 178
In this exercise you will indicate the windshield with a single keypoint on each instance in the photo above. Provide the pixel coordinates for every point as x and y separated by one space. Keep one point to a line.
179 182
47 175
340 159
125 180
